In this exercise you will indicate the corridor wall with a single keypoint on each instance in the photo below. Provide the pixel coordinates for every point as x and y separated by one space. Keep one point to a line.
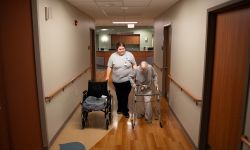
64 54
188 21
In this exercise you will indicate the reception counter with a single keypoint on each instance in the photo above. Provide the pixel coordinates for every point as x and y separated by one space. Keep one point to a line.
103 56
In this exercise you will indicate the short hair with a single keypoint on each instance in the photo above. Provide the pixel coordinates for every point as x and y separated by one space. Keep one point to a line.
118 44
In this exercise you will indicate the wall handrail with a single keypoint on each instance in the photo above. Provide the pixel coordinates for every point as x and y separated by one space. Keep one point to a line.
158 67
194 98
245 140
53 94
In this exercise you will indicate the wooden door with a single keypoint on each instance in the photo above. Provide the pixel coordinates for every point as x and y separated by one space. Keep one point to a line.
166 60
115 38
92 54
226 77
4 137
18 78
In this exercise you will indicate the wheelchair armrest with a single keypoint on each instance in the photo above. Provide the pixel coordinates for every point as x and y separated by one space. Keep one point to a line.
85 92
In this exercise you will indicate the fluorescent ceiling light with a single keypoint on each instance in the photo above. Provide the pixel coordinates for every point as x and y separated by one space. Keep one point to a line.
124 22
131 25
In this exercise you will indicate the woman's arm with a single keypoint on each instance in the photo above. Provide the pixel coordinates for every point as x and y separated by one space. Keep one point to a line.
108 73
135 66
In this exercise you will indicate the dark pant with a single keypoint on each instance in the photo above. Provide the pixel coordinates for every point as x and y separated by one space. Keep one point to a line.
122 92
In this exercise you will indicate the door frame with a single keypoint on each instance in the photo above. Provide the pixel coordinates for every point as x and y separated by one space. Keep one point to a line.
92 54
166 59
209 62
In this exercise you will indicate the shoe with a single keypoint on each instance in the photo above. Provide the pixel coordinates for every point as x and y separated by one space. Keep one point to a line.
119 112
139 116
126 115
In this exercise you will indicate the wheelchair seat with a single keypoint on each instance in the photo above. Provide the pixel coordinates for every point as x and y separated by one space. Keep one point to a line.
94 103
97 98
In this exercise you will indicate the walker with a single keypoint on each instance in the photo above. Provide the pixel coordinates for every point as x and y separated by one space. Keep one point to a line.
155 93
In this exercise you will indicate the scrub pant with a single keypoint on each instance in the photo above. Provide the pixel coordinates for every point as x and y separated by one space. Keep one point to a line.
122 93
143 106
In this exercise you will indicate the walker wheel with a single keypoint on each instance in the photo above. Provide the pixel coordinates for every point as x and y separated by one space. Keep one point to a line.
161 125
133 125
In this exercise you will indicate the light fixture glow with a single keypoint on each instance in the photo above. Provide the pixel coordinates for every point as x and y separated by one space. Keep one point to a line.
124 22
104 38
131 25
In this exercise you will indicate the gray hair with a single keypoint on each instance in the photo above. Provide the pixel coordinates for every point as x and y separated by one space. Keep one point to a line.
144 65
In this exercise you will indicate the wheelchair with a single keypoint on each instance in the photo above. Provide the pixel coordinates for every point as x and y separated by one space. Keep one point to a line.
96 98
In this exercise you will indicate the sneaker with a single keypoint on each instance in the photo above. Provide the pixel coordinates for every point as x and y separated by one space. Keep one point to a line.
126 115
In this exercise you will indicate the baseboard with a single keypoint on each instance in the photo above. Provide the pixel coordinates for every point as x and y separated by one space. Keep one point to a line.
66 121
184 130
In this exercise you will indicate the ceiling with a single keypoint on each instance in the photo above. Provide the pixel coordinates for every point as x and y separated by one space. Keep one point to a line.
106 11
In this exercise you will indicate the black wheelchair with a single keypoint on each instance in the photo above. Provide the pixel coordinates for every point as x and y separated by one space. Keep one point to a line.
97 98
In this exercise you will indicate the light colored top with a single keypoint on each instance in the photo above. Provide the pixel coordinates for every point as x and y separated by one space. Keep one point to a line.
149 77
121 66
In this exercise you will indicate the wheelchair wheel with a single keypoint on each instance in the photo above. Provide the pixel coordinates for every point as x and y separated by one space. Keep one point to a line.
84 119
110 117
83 123
107 124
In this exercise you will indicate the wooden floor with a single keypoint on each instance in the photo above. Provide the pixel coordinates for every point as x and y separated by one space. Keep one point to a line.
146 136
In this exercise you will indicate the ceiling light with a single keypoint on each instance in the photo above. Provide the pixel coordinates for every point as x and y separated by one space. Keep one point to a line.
124 22
131 25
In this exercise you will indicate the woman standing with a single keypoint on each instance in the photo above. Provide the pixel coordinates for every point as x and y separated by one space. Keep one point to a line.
121 63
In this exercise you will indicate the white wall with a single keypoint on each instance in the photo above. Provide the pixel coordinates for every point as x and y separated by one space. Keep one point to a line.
188 19
104 44
64 54
145 33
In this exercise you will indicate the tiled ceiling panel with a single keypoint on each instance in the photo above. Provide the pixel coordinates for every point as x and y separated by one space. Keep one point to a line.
106 11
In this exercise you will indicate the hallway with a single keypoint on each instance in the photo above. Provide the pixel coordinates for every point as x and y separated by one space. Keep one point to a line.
120 134
48 52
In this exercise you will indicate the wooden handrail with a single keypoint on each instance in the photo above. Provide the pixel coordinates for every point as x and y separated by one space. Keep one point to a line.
157 67
245 140
195 99
48 98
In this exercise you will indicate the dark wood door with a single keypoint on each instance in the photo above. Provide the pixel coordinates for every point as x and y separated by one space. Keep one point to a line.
166 60
4 136
18 77
230 78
